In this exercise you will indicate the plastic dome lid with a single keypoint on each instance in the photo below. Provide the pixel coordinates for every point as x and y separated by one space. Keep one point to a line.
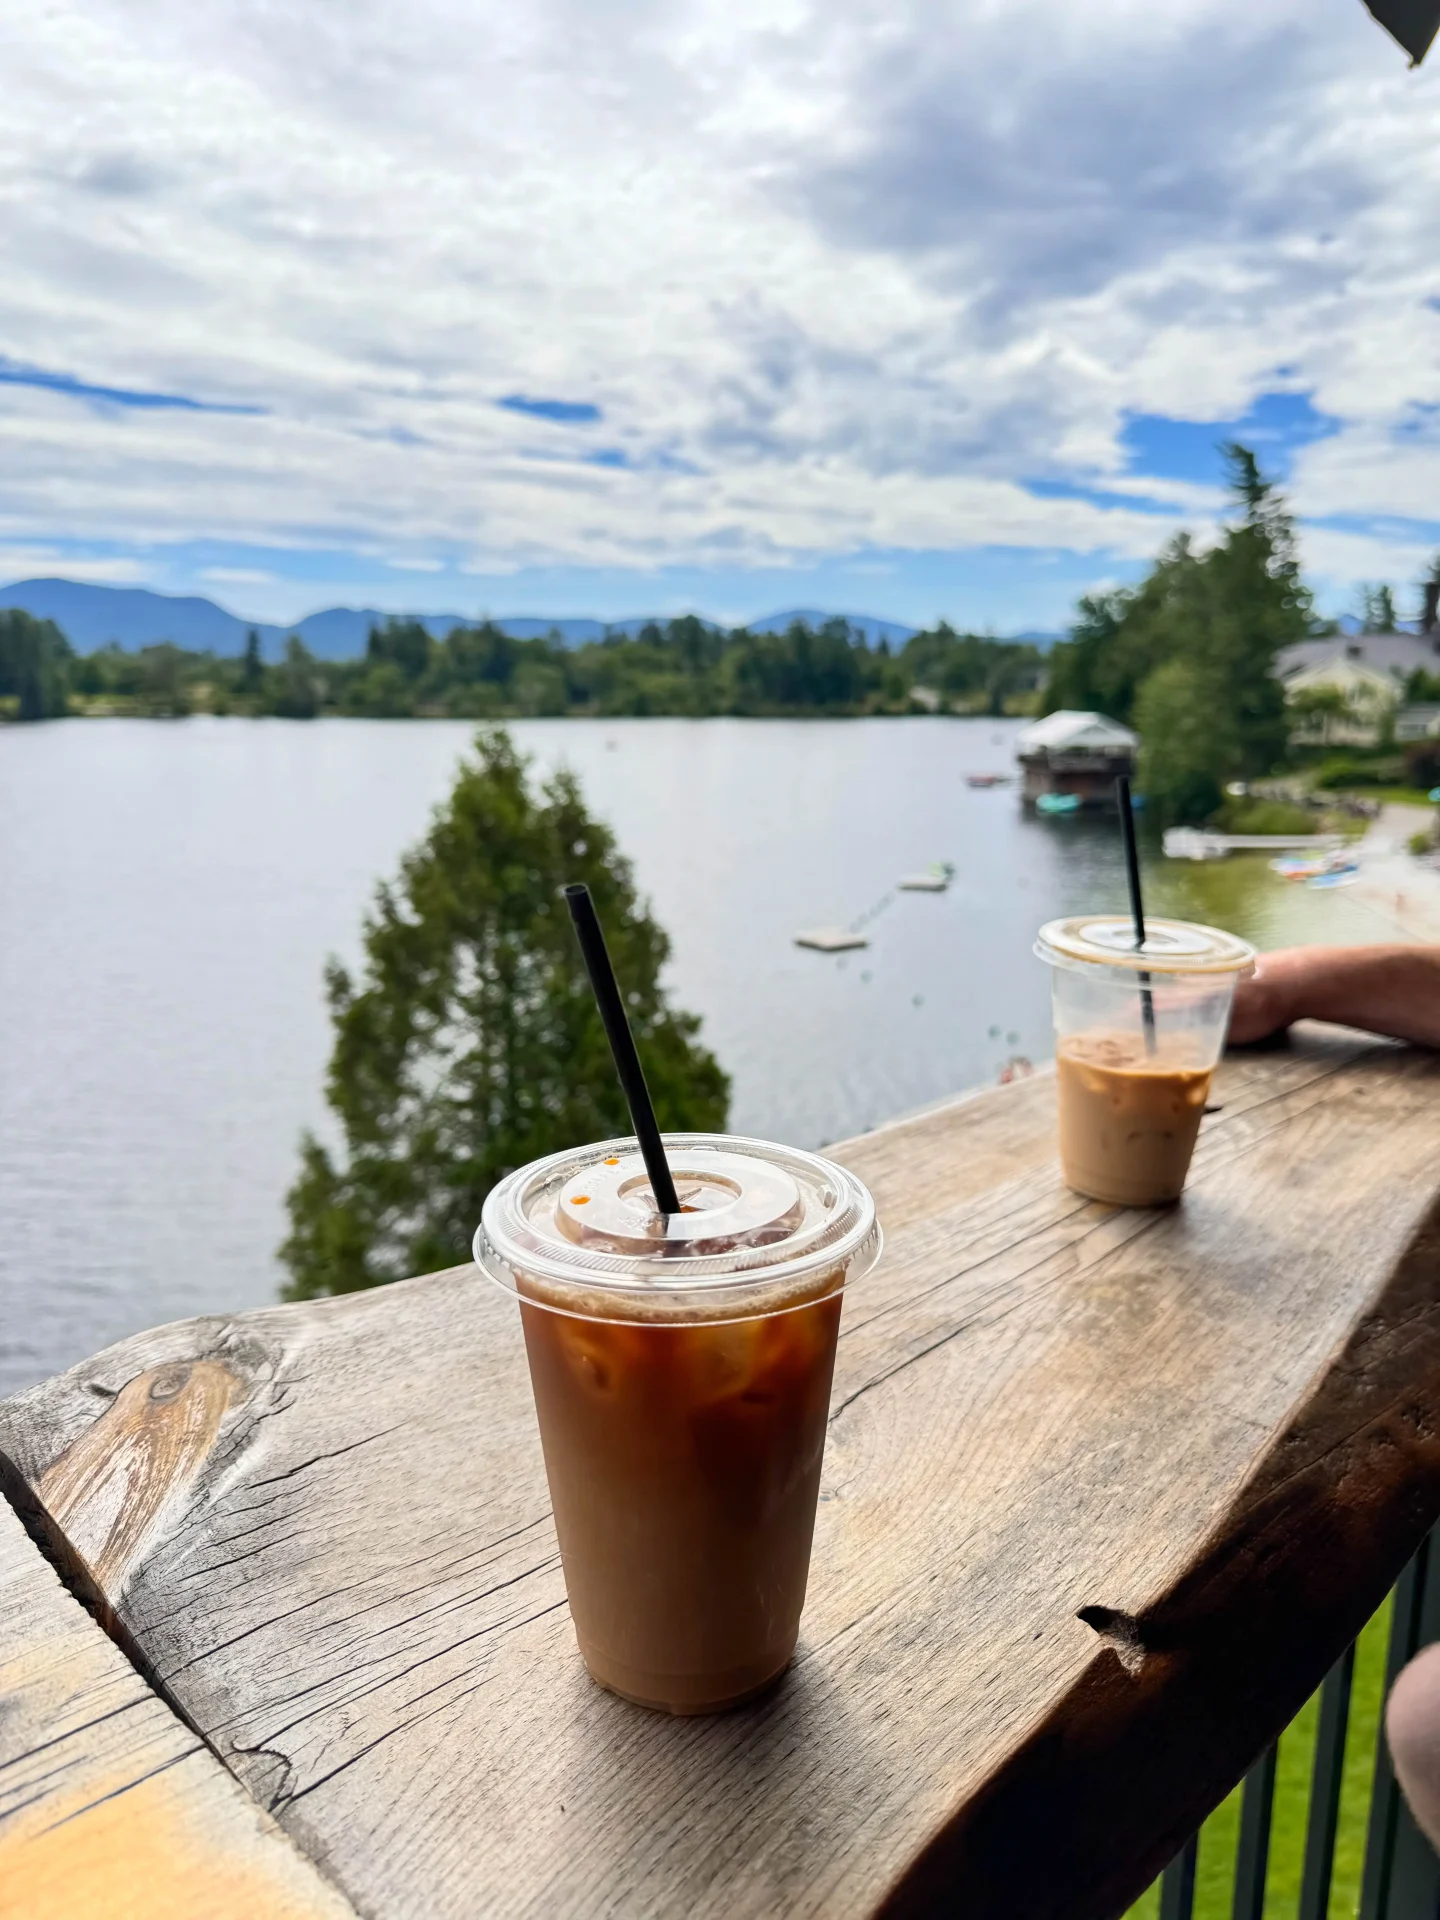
1171 946
760 1225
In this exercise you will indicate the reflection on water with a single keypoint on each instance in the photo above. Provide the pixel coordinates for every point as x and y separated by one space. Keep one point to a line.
170 890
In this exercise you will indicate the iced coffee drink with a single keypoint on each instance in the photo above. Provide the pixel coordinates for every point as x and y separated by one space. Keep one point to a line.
1128 1117
681 1367
1138 1033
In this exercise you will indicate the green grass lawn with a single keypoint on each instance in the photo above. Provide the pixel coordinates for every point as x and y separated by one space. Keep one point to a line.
1404 796
1215 1873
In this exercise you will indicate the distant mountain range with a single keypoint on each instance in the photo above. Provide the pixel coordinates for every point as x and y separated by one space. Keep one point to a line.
94 616
874 630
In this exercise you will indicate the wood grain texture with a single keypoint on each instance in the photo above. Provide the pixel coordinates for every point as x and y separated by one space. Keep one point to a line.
112 1487
109 1805
1212 1431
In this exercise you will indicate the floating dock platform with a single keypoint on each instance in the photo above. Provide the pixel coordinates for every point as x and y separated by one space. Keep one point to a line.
831 939
932 880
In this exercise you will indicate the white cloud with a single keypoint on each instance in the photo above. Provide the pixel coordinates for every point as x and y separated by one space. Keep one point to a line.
839 276
1339 559
27 563
238 576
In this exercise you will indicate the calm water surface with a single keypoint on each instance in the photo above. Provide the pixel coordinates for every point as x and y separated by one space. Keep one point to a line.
169 892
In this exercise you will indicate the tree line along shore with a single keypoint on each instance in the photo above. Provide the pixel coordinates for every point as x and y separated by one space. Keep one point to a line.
480 672
1187 656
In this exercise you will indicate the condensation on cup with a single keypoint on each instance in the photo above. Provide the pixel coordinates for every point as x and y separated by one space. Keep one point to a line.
681 1366
1138 1033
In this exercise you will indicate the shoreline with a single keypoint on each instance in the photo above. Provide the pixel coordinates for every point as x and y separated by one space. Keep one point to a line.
1392 883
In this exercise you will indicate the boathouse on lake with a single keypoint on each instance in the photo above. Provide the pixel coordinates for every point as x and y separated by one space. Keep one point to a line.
1076 753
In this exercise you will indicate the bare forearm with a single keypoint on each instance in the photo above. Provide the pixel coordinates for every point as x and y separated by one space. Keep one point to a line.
1393 990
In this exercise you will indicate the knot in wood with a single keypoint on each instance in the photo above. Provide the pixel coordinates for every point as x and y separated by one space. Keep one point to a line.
1120 1632
113 1487
169 1381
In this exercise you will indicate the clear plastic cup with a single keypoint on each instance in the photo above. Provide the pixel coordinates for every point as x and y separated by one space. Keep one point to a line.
681 1368
1138 1032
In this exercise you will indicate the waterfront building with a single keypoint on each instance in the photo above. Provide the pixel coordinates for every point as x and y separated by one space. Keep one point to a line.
1077 755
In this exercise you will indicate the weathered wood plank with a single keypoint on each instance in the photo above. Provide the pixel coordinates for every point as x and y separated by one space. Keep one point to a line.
109 1804
1214 1432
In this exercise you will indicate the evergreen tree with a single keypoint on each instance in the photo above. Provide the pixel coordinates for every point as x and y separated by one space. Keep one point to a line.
1098 669
35 660
472 1044
1377 609
472 655
161 674
805 669
1223 615
1430 597
297 687
402 643
970 668
1259 603
252 666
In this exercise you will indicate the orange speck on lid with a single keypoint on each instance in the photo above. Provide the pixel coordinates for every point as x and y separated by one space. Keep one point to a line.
612 1163
581 1200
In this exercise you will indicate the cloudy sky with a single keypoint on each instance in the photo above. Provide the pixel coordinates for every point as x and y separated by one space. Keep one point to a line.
608 306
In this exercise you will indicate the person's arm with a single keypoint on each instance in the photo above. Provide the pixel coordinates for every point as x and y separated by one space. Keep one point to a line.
1392 990
1412 1723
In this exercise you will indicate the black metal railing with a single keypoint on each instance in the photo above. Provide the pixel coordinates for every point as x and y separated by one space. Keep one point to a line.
1399 1878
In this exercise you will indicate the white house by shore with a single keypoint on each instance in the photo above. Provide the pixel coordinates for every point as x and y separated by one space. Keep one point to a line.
1366 673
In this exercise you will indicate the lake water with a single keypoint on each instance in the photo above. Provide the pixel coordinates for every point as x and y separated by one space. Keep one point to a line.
169 892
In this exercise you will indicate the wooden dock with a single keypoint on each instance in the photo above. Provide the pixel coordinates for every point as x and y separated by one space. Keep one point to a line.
1105 1495
1198 843
832 939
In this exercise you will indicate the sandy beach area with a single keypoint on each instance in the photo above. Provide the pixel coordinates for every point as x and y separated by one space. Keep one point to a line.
1401 891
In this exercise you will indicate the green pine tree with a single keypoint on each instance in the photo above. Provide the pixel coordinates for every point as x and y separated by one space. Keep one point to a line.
471 1044
35 665
1188 655
1377 609
296 687
252 666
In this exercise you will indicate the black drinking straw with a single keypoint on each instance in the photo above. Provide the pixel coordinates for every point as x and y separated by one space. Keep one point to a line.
1137 904
622 1044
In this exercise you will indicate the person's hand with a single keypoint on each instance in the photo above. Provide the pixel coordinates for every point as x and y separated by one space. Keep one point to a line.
1263 1001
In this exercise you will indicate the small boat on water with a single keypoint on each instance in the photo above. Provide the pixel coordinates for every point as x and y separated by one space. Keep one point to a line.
987 779
1054 803
1335 868
934 879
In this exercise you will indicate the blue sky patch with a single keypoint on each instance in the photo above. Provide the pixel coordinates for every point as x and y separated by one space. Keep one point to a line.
576 413
1097 496
14 374
1008 589
1274 426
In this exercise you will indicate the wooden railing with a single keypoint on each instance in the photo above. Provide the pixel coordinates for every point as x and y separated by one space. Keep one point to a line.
1106 1495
